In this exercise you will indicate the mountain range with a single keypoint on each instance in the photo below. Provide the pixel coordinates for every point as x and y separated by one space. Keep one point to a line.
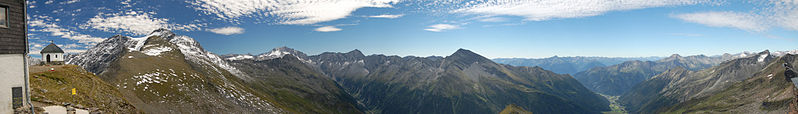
167 73
617 79
570 65
754 84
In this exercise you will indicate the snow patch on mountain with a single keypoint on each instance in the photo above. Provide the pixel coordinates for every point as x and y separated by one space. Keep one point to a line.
149 78
762 57
156 51
136 43
193 52
240 57
781 53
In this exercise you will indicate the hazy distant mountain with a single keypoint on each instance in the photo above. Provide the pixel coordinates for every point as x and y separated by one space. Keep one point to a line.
716 90
165 73
617 79
570 65
463 82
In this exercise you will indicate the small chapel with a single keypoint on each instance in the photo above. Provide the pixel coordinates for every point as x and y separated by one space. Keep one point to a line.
52 55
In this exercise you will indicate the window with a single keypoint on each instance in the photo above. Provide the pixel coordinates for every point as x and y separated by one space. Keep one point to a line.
4 16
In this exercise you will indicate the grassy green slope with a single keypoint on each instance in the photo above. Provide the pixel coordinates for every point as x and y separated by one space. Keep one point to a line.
92 92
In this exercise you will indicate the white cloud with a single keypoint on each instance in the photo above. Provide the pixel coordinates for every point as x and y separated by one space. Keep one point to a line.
31 4
328 29
38 24
493 19
389 16
441 27
785 13
742 21
228 30
773 13
70 1
74 50
133 22
287 11
69 46
539 10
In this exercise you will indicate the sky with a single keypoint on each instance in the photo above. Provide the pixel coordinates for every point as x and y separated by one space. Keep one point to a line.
492 28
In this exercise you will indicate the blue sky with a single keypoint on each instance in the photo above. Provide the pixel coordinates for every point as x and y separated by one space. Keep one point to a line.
492 28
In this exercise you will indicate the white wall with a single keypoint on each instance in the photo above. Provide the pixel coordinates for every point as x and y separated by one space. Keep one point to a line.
12 73
53 56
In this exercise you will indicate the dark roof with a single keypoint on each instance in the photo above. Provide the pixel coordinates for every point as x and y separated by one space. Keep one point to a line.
52 48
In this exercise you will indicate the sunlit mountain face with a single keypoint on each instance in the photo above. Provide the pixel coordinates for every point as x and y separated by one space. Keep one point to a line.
418 56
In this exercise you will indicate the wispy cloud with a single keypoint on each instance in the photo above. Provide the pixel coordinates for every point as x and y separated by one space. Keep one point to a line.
441 27
389 16
773 13
742 21
287 11
38 24
539 10
137 23
328 29
493 19
227 30
70 1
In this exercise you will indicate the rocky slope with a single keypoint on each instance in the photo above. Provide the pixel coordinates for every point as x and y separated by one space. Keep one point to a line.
679 84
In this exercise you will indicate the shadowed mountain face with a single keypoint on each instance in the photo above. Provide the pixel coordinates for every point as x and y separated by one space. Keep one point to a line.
718 89
617 79
296 85
569 65
463 82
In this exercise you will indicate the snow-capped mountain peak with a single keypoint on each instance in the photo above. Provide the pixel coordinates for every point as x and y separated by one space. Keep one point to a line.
238 57
273 54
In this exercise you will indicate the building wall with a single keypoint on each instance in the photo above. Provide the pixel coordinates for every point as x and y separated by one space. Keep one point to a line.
53 56
12 71
13 48
12 39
